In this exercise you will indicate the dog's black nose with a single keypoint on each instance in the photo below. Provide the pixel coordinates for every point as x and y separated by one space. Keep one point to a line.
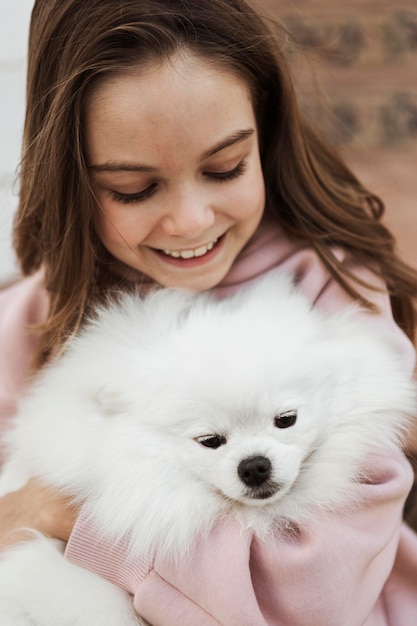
254 471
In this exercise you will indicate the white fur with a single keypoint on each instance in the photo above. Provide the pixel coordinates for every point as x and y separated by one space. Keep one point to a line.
116 422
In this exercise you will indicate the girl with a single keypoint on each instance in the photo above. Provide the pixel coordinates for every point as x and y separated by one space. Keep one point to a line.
163 145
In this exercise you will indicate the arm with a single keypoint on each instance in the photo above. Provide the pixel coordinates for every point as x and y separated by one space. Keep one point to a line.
329 572
287 578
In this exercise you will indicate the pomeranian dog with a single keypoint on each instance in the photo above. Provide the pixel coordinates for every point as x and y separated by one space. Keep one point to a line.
171 411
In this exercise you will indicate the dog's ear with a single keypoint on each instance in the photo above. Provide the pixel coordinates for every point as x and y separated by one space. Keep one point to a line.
366 369
110 401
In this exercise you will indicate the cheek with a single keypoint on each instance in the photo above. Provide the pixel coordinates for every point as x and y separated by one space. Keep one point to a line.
117 225
251 200
102 225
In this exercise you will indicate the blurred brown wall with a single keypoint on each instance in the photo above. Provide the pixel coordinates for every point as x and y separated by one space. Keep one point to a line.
363 57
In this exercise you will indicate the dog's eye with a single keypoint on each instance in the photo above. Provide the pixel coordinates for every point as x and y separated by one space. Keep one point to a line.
286 419
211 441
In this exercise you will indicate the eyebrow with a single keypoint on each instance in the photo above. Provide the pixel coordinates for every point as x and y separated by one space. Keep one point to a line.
231 140
116 166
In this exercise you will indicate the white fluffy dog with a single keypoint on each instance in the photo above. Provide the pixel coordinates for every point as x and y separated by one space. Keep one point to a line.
170 411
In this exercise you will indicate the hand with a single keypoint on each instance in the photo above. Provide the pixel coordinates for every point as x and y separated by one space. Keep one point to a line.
35 506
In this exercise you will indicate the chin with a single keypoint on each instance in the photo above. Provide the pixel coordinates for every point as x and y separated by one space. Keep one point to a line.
174 412
193 279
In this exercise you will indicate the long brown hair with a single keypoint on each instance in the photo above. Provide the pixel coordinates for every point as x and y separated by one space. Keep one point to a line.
73 44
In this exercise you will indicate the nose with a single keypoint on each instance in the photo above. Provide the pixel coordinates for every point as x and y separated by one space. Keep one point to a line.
189 215
254 471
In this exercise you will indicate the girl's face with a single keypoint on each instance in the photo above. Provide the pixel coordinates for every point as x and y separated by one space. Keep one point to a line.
175 166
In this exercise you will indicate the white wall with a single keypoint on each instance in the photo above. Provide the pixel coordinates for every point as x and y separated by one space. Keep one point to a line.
14 23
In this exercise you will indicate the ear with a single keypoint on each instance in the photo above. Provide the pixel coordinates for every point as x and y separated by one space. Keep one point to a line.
110 401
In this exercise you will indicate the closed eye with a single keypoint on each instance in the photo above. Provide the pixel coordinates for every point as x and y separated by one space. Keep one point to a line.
130 198
229 174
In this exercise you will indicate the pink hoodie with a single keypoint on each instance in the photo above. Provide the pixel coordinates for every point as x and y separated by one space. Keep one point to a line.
342 569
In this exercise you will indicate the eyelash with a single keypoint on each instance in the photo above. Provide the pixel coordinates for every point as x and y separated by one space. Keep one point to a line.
230 174
130 198
141 196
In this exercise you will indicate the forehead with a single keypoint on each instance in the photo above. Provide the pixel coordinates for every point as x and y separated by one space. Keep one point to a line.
183 104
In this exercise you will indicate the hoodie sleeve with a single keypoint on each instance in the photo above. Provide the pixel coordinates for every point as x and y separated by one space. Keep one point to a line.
331 571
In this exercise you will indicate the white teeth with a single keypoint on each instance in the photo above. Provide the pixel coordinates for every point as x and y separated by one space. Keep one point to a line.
187 254
190 254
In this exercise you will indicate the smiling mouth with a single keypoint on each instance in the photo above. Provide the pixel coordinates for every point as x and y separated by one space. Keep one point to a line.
190 254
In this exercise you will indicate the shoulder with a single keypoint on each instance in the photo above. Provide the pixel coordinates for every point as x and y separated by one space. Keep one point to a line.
23 307
25 300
